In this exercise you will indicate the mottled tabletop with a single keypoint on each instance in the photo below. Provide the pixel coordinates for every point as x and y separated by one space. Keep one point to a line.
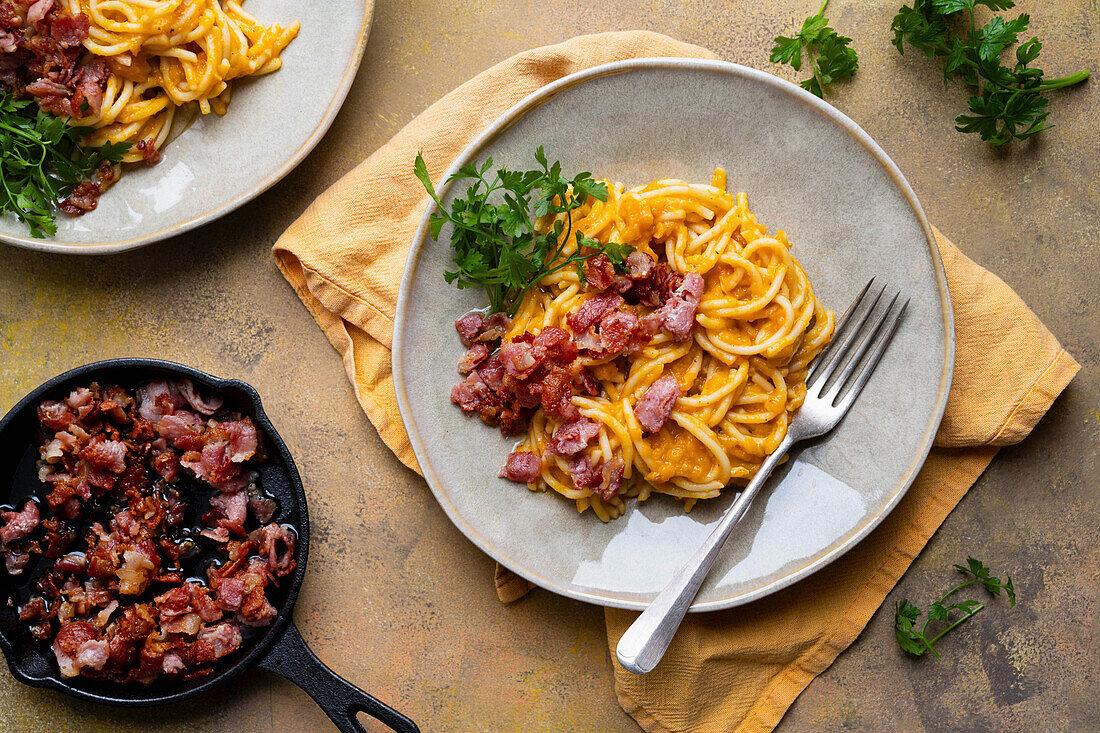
419 624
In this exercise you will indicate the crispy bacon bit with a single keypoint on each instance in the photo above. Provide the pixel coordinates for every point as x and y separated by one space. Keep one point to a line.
496 325
471 394
148 150
611 473
656 404
224 639
277 543
157 399
213 465
108 454
557 344
572 437
640 265
67 645
557 394
9 19
522 467
592 310
92 654
588 382
229 511
469 327
263 508
599 272
34 610
69 30
520 359
477 353
183 428
55 415
230 593
585 476
17 525
617 332
135 573
241 438
678 314
36 13
207 406
9 41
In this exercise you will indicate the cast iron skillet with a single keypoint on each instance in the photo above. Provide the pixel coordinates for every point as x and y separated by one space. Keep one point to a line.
278 648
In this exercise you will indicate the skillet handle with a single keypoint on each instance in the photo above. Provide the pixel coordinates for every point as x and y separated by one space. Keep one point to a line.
289 657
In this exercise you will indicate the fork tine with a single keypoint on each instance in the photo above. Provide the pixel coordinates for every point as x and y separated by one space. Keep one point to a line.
841 325
881 342
835 353
852 362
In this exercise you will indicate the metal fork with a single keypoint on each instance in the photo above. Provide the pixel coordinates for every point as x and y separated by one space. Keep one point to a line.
860 339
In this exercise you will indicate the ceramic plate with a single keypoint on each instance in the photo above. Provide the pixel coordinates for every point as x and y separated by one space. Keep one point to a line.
220 163
807 169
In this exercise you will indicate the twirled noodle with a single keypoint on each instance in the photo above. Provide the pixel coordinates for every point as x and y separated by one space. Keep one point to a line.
163 54
742 374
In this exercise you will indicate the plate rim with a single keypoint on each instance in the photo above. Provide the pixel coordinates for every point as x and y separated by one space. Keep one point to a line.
498 127
125 245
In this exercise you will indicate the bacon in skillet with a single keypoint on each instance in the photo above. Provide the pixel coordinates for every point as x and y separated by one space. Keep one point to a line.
120 595
16 525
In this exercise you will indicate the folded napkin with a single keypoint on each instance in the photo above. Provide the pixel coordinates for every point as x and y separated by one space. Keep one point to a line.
725 671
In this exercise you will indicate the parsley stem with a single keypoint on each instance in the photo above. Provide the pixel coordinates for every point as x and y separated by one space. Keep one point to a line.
958 621
813 69
1065 81
822 8
956 589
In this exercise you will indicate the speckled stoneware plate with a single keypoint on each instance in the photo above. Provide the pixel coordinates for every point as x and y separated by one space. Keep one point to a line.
807 169
220 163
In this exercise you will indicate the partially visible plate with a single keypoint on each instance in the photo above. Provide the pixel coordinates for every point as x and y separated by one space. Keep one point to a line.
807 169
220 163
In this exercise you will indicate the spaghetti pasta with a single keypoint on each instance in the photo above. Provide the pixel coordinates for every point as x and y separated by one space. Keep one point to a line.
739 364
163 54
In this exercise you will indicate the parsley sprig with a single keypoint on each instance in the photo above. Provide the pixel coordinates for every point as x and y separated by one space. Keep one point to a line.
496 241
906 616
830 57
41 161
1009 102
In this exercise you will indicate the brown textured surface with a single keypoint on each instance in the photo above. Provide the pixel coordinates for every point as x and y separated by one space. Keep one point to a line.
399 602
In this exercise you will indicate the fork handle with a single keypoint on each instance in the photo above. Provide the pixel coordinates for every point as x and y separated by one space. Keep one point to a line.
644 643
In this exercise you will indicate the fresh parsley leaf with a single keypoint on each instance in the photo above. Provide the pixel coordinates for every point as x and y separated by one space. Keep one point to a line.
1009 103
905 618
496 238
830 57
43 160
915 640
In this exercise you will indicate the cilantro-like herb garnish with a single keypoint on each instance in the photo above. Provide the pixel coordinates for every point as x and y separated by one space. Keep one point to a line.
1009 102
497 244
906 615
42 160
830 57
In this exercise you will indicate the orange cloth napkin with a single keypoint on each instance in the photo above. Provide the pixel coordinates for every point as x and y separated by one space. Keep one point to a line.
736 670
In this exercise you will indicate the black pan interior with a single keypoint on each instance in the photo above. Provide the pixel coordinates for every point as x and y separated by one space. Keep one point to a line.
31 660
